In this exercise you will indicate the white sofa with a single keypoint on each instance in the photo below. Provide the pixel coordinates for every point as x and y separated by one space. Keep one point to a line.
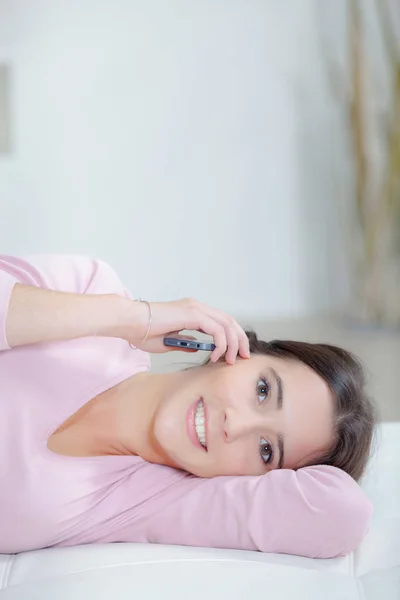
122 571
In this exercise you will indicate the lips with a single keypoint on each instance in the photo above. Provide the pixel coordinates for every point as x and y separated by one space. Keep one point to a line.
196 425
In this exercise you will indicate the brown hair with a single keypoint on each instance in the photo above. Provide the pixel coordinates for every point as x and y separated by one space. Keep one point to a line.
355 414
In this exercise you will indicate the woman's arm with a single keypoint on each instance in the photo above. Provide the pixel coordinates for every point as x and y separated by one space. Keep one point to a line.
45 298
39 315
317 512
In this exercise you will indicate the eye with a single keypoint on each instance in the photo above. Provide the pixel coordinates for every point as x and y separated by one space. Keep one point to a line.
266 451
263 389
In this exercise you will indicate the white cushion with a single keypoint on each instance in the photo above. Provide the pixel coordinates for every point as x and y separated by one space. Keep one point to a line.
123 571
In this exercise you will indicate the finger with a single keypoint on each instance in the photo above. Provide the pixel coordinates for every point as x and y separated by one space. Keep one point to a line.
236 336
233 343
239 340
244 346
216 330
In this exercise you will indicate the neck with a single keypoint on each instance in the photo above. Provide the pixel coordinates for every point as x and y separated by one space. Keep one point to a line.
139 398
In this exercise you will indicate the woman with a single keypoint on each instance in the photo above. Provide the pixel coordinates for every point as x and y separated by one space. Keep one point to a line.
94 448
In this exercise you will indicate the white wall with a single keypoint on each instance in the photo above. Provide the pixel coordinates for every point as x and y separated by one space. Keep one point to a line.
183 141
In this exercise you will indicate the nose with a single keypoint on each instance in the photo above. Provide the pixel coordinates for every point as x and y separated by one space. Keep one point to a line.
239 423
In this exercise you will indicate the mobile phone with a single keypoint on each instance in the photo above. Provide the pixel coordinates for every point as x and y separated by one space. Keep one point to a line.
188 344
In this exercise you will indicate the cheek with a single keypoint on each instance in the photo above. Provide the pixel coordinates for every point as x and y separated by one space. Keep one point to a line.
169 425
227 391
240 459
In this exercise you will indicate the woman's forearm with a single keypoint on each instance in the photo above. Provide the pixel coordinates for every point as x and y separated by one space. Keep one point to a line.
40 315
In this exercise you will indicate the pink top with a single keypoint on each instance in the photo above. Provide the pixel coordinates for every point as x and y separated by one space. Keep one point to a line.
51 500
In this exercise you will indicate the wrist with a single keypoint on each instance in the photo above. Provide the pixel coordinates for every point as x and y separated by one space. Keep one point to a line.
127 319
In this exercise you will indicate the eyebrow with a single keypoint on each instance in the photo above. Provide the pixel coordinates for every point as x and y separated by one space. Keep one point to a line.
279 401
279 386
281 451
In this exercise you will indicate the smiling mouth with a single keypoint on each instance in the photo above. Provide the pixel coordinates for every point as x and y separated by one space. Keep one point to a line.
200 424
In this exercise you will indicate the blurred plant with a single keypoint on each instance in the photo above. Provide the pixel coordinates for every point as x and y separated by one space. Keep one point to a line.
391 188
375 247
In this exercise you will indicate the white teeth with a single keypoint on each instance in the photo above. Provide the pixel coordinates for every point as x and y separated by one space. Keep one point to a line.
199 424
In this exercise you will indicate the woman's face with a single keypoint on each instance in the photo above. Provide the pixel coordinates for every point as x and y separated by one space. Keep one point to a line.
245 419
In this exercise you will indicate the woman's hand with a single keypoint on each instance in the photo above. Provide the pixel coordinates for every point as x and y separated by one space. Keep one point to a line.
169 318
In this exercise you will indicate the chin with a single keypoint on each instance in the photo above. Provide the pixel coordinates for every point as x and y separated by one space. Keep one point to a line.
188 468
200 472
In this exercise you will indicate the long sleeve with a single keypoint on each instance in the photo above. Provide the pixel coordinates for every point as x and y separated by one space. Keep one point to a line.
318 512
63 273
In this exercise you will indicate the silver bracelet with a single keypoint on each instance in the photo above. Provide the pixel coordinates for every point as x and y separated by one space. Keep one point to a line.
144 340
